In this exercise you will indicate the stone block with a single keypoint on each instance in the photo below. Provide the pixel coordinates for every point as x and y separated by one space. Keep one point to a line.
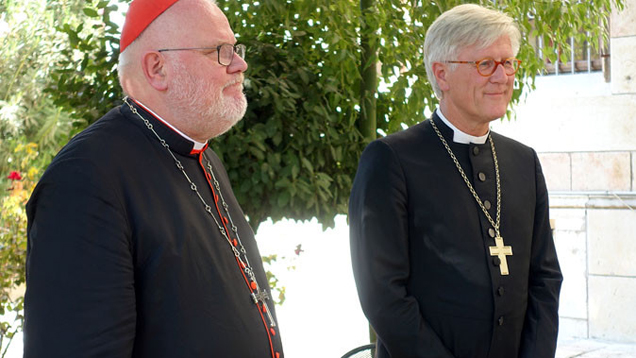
604 171
569 219
623 23
556 170
613 308
586 348
573 114
570 328
623 62
612 243
633 171
572 252
568 201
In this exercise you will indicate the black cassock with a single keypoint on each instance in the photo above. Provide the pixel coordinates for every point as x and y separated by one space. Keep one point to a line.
420 249
124 261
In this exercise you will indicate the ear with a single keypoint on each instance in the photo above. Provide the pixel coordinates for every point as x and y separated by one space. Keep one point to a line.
441 71
154 69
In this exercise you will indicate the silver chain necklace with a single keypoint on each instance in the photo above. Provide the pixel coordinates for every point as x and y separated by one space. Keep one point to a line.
500 250
240 253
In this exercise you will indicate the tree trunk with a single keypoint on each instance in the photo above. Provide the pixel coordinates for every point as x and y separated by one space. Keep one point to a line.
368 87
369 84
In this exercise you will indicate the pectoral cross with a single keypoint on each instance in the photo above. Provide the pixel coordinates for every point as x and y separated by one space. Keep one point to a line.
261 296
501 252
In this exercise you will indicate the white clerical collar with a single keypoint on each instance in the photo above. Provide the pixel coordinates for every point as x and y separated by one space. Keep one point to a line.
461 137
197 145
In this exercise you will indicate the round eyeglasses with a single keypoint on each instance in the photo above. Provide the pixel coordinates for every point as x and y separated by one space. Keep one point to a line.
488 66
225 52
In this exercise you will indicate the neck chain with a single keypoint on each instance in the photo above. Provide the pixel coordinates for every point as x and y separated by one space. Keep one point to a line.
500 250
257 295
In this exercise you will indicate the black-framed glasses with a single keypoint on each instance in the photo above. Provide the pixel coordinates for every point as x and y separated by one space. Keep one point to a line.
488 66
225 52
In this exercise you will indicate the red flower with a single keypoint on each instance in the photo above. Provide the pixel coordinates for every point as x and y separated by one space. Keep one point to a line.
15 176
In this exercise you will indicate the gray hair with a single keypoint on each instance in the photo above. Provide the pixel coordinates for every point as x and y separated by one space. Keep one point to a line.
123 64
463 26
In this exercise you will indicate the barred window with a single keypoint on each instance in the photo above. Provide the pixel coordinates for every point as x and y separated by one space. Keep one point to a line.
582 58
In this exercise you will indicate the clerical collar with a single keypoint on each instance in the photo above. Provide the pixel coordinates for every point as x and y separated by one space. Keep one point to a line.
198 146
461 137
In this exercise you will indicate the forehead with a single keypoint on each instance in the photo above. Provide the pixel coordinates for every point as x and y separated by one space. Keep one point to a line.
500 48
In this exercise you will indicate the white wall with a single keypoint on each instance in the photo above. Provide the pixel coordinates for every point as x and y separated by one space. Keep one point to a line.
584 130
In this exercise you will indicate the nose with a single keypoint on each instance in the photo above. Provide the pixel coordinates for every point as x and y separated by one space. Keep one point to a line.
238 65
499 75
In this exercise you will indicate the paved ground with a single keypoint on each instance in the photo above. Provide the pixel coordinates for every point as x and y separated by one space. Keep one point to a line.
594 349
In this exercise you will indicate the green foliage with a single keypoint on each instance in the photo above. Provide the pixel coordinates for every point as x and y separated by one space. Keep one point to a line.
32 129
275 264
553 23
27 56
13 241
296 151
278 290
85 81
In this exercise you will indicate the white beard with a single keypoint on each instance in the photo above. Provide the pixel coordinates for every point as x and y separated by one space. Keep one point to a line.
203 109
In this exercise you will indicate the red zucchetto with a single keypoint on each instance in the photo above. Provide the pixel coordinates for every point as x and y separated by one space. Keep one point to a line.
140 14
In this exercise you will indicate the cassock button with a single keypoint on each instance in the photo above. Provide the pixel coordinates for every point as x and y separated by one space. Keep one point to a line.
482 176
487 204
500 291
496 261
491 232
500 321
475 150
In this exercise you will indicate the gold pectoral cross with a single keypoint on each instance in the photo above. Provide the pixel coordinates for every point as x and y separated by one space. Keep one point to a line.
501 252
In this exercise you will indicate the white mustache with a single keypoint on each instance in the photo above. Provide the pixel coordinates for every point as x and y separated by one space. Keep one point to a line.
237 81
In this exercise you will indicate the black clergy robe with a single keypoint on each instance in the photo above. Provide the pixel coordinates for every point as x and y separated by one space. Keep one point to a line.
124 261
420 249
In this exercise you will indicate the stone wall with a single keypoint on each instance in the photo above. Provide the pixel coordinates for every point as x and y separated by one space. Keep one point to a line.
584 130
623 49
593 212
596 244
590 171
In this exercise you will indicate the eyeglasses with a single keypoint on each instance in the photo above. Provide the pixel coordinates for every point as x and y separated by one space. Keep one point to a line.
225 52
488 66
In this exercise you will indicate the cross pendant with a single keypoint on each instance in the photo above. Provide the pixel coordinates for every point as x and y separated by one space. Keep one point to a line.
501 252
261 296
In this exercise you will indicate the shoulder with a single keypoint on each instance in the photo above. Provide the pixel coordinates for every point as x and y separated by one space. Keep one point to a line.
105 130
509 142
103 144
401 143
391 154
411 136
512 146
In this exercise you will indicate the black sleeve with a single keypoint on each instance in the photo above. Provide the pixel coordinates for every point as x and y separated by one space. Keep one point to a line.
378 220
539 336
80 297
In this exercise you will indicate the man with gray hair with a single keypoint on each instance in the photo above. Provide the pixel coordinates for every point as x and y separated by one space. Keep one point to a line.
137 246
451 243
